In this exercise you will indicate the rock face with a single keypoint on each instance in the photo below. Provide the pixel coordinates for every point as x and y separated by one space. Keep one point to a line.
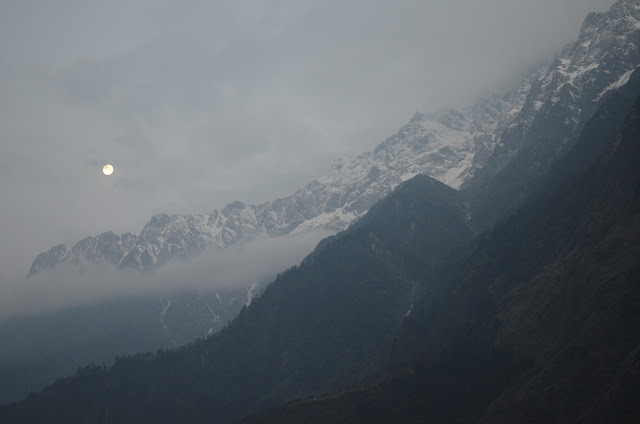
557 107
568 93
516 133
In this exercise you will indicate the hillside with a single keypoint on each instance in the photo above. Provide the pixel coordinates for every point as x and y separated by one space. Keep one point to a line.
538 323
322 324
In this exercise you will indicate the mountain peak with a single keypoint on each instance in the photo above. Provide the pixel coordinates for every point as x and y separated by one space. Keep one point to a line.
417 117
54 256
623 17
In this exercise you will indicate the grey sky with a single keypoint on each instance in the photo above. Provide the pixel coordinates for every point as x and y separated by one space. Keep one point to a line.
198 103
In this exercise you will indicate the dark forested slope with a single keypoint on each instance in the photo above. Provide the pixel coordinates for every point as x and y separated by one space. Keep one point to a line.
539 323
325 323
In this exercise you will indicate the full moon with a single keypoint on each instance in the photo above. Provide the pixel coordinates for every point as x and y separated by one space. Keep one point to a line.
107 169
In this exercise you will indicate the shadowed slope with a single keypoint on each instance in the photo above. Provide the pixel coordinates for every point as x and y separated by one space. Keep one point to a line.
325 323
538 323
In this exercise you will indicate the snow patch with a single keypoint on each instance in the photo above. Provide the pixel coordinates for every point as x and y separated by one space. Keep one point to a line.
577 73
623 80
250 291
407 176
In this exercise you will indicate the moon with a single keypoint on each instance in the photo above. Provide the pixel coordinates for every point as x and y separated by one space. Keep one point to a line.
107 169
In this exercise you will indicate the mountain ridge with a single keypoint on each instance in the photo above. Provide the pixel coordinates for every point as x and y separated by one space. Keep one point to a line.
446 145
522 129
557 107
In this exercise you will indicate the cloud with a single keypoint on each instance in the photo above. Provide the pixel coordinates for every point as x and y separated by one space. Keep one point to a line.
199 103
70 285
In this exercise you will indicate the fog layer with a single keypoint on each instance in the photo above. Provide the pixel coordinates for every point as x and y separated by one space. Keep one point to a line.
71 285
199 103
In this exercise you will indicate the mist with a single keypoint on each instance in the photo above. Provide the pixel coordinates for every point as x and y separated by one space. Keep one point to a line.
70 285
199 103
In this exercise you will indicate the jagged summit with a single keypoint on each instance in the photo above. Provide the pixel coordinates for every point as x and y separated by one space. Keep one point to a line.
557 107
564 97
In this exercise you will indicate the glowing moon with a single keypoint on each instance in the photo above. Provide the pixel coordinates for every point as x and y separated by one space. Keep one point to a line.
107 169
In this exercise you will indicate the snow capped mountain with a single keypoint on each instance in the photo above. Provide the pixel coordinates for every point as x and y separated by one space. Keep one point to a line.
448 146
535 122
559 104
564 97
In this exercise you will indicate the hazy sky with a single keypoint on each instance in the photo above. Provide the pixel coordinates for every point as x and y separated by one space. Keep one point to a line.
197 103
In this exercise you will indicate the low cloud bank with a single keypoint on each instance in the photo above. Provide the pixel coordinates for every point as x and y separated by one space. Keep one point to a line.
72 285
